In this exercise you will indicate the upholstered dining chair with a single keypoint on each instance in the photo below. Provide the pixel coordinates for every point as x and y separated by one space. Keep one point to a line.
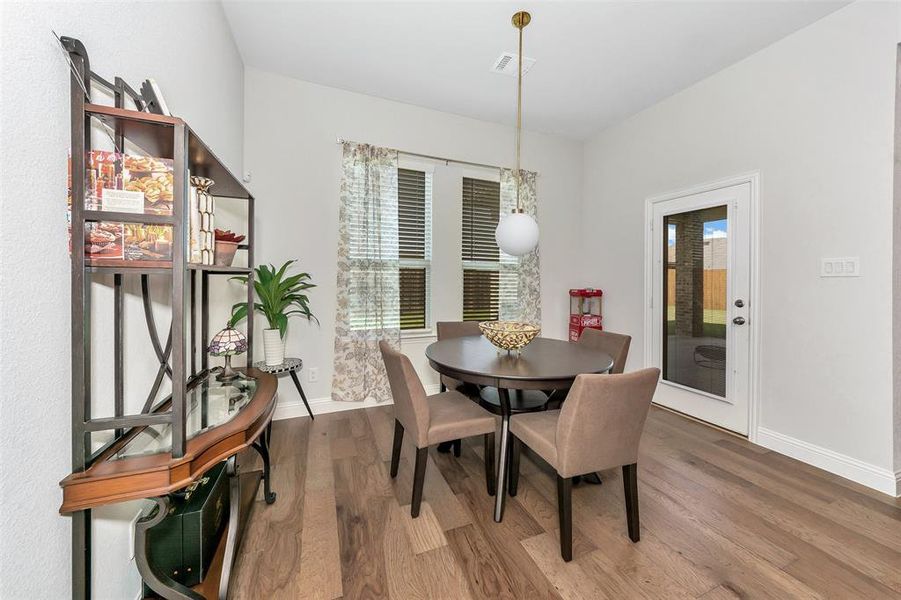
431 420
446 331
598 427
614 344
455 329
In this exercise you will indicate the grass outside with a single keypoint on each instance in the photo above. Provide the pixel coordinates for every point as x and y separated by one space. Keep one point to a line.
714 322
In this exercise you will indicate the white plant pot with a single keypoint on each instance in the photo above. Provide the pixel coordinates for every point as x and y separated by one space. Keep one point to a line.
274 347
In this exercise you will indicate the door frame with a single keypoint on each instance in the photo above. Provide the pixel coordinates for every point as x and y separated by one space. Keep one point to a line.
753 180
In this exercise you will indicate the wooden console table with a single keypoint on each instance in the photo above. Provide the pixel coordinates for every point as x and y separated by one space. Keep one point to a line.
222 419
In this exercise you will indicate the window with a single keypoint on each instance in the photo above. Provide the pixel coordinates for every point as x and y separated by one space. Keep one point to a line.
414 215
481 256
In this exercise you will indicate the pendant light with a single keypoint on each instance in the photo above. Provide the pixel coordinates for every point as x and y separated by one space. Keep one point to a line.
517 233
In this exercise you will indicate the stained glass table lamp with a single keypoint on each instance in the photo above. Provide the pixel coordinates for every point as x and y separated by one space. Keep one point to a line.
228 343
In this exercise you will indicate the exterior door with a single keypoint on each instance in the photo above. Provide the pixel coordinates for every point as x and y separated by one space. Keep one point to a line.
699 307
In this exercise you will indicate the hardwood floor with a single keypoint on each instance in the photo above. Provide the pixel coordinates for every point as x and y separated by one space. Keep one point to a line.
720 518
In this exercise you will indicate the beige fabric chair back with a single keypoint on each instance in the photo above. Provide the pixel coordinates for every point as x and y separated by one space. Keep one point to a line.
411 406
614 344
601 421
455 329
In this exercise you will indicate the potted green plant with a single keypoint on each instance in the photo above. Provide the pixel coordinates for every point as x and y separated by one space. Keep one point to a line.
279 296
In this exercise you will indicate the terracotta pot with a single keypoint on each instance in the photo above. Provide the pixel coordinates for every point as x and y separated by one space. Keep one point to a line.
225 253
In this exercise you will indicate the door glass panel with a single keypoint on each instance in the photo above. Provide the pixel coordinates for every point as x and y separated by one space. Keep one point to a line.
694 285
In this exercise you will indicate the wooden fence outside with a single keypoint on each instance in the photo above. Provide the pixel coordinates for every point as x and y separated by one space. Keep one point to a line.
714 288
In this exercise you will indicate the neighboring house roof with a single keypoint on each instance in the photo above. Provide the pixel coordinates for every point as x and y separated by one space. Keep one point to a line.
715 253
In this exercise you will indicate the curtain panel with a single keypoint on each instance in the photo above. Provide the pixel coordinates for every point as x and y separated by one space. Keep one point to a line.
368 295
523 272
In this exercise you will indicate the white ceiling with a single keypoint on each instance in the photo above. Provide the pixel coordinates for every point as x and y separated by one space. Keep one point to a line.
598 62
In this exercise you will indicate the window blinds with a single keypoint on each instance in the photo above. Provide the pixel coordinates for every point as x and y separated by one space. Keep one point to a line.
414 211
481 211
489 283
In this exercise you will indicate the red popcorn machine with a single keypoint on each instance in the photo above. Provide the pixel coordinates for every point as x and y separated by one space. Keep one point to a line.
584 311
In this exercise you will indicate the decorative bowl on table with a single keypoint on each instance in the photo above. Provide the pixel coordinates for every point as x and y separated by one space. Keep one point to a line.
509 335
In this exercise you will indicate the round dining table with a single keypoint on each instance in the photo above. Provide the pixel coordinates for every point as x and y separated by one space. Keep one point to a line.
544 364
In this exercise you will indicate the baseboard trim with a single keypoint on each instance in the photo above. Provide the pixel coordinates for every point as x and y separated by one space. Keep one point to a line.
321 406
877 478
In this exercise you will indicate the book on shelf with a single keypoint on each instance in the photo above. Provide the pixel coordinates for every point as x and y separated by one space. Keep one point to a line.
126 183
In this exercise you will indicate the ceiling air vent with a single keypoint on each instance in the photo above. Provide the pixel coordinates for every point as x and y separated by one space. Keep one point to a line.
506 64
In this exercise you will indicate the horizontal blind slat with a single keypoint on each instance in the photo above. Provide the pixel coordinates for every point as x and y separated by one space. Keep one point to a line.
414 233
481 212
480 295
482 289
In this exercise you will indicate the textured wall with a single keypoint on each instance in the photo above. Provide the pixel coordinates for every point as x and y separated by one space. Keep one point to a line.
188 49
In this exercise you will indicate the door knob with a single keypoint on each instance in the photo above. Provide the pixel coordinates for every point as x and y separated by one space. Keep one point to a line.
739 320
739 303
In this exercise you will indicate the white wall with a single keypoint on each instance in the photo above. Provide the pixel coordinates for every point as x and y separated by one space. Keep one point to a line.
896 278
187 48
291 129
814 114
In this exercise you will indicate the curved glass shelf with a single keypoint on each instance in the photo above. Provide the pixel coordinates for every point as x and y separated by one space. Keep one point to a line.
208 404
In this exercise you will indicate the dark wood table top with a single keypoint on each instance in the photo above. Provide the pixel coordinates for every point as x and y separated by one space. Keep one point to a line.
544 364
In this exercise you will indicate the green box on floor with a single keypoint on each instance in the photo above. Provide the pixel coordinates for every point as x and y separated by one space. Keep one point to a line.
183 544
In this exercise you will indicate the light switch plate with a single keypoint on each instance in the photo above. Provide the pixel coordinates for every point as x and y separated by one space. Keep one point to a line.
848 266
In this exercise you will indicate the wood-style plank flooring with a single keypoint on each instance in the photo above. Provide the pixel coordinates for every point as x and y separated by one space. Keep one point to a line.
720 518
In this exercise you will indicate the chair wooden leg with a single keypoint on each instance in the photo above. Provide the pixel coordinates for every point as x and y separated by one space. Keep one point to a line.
395 449
422 454
489 463
513 478
458 448
565 508
630 486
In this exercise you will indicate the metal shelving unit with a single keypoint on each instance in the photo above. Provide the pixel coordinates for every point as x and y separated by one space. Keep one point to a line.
159 136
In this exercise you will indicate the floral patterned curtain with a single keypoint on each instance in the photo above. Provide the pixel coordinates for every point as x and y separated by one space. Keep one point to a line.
522 272
368 289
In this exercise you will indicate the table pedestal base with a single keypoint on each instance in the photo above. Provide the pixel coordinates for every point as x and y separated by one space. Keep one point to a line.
591 478
502 459
455 445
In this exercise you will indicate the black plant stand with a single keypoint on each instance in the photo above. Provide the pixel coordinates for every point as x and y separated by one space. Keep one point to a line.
290 366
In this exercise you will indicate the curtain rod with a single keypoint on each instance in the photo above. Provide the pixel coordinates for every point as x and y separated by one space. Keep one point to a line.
443 159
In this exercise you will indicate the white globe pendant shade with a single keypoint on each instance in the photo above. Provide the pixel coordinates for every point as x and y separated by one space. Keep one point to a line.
517 234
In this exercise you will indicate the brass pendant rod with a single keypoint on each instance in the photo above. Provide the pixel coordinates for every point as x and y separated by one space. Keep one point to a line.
520 20
520 24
